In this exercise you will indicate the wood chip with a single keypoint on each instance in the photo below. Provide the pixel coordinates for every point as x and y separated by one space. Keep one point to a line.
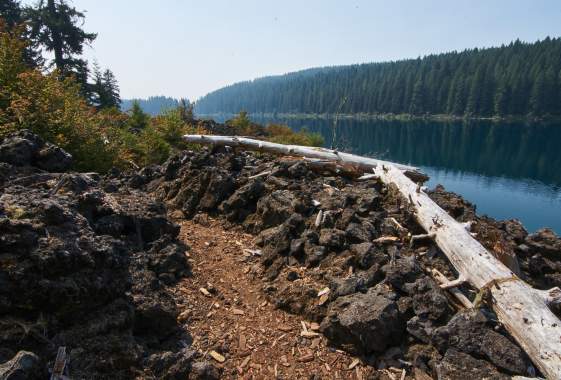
323 299
308 334
242 343
284 328
386 239
314 326
205 292
216 356
237 311
245 361
323 291
306 358
184 316
252 252
304 327
354 363
315 343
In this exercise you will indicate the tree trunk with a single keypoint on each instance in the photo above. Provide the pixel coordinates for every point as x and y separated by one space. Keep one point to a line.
296 150
55 35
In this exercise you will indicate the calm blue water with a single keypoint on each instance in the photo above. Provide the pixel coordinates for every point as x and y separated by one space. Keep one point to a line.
507 170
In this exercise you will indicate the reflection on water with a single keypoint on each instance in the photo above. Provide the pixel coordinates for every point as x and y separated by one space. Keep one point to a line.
507 170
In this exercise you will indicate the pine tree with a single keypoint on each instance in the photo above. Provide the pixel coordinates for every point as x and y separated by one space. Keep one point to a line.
475 82
110 90
502 100
97 90
56 26
418 98
186 110
538 96
11 12
105 89
138 120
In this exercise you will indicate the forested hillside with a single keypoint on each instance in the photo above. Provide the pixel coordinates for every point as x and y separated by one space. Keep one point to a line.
518 79
154 105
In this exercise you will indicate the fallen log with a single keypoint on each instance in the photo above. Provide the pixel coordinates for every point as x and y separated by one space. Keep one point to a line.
523 311
297 150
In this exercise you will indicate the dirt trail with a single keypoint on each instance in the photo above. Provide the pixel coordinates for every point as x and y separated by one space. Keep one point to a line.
235 320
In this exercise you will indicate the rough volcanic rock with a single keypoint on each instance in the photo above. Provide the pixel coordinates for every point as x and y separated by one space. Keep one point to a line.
468 332
457 365
83 268
23 148
456 206
366 323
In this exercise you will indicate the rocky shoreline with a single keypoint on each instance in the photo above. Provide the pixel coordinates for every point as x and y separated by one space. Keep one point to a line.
89 262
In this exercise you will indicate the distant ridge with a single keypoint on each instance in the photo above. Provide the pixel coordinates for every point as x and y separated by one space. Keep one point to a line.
154 105
518 79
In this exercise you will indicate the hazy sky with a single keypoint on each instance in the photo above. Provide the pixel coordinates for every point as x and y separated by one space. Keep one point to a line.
186 48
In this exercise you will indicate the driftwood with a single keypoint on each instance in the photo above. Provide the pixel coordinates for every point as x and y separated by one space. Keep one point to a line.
523 311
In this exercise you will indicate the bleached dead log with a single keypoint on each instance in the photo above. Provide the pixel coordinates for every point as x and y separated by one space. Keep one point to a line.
521 309
296 150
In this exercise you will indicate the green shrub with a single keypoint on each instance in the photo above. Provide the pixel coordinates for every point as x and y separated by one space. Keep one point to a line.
282 134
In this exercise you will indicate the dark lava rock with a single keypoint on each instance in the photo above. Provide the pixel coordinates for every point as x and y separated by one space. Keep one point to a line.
457 365
23 148
468 332
243 202
364 323
360 232
366 254
275 208
456 206
171 365
220 186
53 159
545 241
332 238
203 370
82 268
402 271
421 328
429 300
19 148
276 242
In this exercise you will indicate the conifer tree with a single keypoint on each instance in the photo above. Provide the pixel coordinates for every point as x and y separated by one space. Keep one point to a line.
186 110
110 90
56 26
515 79
11 13
138 120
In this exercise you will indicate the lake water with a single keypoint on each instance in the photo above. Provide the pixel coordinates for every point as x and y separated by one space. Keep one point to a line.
507 170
